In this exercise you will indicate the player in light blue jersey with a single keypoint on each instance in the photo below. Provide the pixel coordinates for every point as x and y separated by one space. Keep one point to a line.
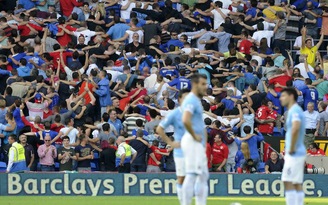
293 172
174 119
193 143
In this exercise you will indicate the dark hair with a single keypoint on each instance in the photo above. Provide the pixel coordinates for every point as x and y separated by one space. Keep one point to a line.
139 122
247 129
106 127
308 81
23 61
67 120
65 137
170 104
153 113
136 110
13 136
218 123
290 91
207 121
195 78
9 91
105 117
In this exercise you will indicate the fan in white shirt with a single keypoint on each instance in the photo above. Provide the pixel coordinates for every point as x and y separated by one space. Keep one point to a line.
218 14
261 33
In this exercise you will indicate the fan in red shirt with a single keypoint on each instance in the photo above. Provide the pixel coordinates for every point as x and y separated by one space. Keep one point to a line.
137 93
279 80
67 6
153 166
63 37
272 115
245 45
314 150
220 153
27 29
263 118
56 55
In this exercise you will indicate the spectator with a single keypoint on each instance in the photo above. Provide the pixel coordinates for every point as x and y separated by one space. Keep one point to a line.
323 127
141 147
47 154
312 120
113 120
125 155
84 154
314 150
103 92
29 152
155 160
107 156
220 153
274 164
16 156
66 155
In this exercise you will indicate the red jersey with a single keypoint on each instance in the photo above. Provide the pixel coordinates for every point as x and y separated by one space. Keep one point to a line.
272 115
319 152
157 156
56 55
67 6
263 114
245 46
66 38
143 92
34 127
86 97
280 80
25 31
219 153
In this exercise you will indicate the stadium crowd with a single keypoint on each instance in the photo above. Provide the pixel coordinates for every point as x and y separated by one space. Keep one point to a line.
85 82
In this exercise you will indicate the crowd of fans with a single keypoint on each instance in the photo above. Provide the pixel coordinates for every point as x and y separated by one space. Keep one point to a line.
77 76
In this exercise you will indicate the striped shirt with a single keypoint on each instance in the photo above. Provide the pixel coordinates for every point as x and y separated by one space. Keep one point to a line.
130 124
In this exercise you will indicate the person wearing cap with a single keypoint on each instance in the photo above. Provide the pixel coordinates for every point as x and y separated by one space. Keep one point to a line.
16 162
125 155
36 108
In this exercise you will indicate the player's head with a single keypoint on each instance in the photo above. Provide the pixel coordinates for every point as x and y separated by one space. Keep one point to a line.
182 94
199 84
288 96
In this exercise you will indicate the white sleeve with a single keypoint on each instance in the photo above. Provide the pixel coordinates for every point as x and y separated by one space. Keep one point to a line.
133 151
11 159
235 121
69 73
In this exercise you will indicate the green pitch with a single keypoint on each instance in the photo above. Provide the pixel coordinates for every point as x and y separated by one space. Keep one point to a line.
141 200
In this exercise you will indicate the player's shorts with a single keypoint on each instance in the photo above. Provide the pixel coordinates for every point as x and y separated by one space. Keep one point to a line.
180 166
293 169
194 154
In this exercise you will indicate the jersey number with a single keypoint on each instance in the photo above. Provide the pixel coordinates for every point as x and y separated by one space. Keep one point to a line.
184 85
312 95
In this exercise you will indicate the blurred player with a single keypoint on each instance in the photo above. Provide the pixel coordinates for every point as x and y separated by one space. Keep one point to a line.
174 119
293 172
193 143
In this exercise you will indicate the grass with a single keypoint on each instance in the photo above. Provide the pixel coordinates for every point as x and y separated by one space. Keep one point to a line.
142 200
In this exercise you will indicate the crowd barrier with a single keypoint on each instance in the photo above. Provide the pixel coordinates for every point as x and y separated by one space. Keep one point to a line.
113 184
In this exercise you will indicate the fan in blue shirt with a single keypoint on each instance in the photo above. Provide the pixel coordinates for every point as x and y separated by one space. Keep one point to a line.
310 94
181 82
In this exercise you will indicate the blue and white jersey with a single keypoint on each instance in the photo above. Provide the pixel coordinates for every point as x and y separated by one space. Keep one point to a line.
173 118
310 95
193 104
295 113
180 83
